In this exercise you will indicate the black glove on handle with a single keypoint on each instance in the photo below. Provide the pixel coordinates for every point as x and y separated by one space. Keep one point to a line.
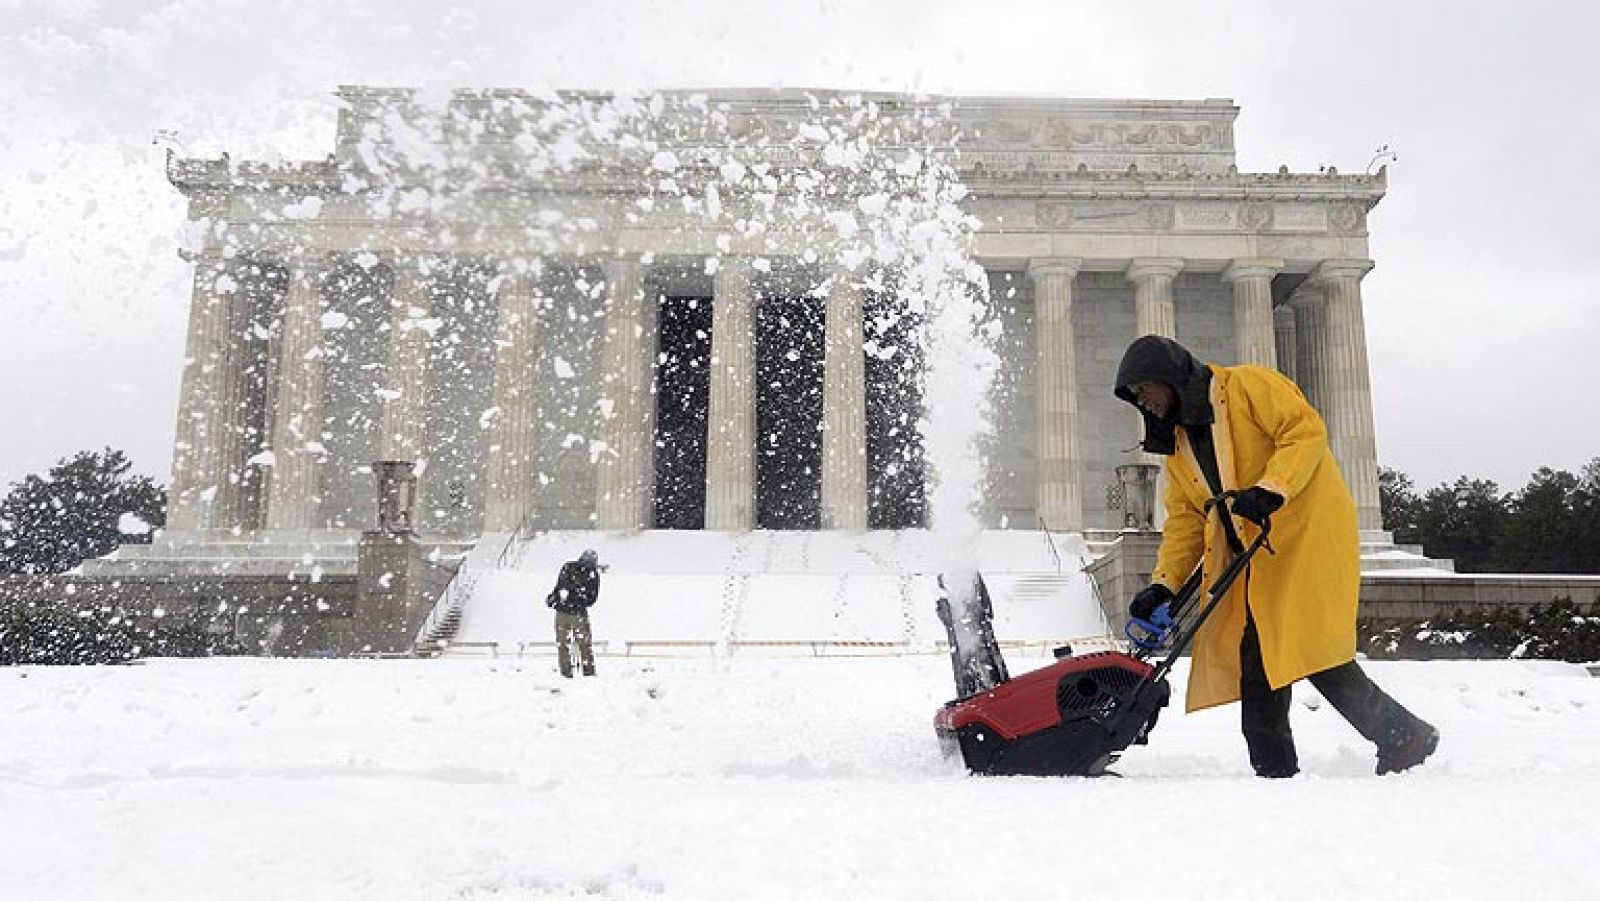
1145 602
1256 504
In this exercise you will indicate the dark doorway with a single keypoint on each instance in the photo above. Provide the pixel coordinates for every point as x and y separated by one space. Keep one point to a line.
893 337
683 396
789 364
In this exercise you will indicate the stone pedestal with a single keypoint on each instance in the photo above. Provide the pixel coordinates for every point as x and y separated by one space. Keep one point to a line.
1060 500
1139 500
625 475
844 410
1255 337
731 423
396 587
397 496
1122 572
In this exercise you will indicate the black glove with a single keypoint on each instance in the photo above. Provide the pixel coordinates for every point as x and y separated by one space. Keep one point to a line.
1256 504
1145 602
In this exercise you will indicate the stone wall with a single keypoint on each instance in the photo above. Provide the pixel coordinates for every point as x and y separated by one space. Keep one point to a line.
375 610
1103 326
567 387
290 616
1385 597
1009 500
1399 597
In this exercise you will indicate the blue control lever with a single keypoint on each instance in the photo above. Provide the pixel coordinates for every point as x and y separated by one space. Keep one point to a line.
1151 634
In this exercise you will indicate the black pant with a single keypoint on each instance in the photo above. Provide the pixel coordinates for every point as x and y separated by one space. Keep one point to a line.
1264 716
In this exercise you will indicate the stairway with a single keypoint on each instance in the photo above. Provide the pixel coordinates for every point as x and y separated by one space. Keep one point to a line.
761 590
441 633
1041 586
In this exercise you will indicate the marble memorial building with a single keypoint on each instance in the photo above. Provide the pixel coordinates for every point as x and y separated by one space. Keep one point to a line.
506 294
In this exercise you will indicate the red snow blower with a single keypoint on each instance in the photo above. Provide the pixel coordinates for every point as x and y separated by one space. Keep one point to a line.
1075 716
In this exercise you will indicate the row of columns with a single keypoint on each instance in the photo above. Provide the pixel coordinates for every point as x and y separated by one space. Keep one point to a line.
206 466
1321 337
1320 334
624 475
210 445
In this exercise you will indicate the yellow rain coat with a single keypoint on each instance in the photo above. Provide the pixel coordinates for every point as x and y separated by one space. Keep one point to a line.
1304 596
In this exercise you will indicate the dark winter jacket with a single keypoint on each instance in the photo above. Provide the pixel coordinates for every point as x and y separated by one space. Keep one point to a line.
577 588
1157 359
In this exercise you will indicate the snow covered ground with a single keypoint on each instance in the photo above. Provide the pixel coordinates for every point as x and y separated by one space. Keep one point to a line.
752 777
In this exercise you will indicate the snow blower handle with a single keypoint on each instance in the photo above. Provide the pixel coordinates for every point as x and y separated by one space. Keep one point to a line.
1180 637
1226 500
1158 632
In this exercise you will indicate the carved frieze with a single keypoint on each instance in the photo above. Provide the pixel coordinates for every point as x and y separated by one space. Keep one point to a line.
1259 217
1011 162
1006 131
1159 216
1053 214
1104 216
1348 219
1300 217
1112 135
1205 217
1255 216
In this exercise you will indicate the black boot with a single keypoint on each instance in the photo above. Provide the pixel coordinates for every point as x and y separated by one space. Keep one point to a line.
1403 740
1408 752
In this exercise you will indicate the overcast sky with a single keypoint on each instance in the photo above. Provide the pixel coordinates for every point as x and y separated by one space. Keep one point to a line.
1482 316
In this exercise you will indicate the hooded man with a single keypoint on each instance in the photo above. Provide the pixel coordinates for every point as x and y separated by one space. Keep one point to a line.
577 588
1292 615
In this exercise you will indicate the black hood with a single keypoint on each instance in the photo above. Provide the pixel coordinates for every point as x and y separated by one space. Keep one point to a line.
1157 359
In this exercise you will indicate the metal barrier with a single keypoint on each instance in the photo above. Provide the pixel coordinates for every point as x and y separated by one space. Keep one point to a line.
1050 542
652 648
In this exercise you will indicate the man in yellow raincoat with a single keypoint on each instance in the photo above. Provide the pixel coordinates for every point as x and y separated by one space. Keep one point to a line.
1293 615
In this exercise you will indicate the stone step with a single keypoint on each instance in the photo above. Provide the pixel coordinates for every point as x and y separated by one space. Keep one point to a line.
1390 564
201 566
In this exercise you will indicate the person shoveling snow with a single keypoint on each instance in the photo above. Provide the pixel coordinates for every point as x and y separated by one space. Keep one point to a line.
1250 430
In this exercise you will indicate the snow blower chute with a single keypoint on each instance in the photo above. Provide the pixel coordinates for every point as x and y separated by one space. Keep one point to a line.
1076 715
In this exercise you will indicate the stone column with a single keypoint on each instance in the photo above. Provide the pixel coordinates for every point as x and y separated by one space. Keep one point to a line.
1309 338
1154 315
1059 494
513 468
1255 340
196 498
1283 330
235 403
1152 284
1346 390
625 477
844 409
411 324
731 419
293 491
